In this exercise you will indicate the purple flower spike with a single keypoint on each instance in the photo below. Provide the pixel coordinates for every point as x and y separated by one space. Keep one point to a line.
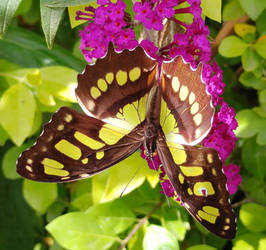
233 178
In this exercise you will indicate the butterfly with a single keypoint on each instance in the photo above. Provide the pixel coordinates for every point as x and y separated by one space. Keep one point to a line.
132 100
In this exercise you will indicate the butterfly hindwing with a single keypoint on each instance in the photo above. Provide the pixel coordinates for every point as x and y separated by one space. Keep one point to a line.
187 102
197 177
74 146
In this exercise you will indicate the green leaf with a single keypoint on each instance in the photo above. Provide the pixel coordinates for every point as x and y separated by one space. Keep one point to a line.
260 47
255 188
45 97
212 9
254 157
232 10
232 46
252 216
80 231
253 8
250 59
249 123
67 3
51 18
30 50
60 81
9 161
17 110
113 216
39 195
261 137
177 227
261 111
248 241
262 97
7 11
157 238
120 178
3 136
250 80
260 22
201 247
23 7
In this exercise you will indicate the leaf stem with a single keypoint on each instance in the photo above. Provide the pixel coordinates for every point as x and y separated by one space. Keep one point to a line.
140 223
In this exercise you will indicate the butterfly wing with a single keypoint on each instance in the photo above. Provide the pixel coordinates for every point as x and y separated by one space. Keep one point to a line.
115 88
187 112
74 146
113 93
197 177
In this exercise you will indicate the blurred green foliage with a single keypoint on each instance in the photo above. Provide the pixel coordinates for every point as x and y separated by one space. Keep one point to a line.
35 81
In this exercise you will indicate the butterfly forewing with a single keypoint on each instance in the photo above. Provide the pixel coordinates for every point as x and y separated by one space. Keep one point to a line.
74 146
116 86
186 103
197 177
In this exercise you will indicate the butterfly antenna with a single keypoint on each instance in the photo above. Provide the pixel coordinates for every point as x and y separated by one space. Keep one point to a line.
160 182
129 181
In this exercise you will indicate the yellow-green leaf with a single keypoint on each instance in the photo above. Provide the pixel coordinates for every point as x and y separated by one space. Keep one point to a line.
212 9
242 29
60 81
39 195
45 97
124 177
17 110
72 13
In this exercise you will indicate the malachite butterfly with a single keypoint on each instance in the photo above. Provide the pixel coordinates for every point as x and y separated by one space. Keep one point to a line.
131 100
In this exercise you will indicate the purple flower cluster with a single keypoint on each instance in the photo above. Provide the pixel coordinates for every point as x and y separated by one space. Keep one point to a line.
107 23
110 23
233 178
152 13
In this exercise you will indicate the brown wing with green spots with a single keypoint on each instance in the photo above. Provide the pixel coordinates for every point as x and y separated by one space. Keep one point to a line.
197 177
74 146
187 101
116 85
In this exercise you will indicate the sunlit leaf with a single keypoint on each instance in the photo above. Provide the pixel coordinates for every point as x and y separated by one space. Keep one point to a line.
72 12
81 231
45 97
23 7
17 109
113 216
212 9
157 238
232 46
7 11
124 177
60 81
3 136
248 241
39 195
249 123
250 59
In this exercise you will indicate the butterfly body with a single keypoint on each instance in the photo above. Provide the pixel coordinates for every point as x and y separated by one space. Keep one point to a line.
131 100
